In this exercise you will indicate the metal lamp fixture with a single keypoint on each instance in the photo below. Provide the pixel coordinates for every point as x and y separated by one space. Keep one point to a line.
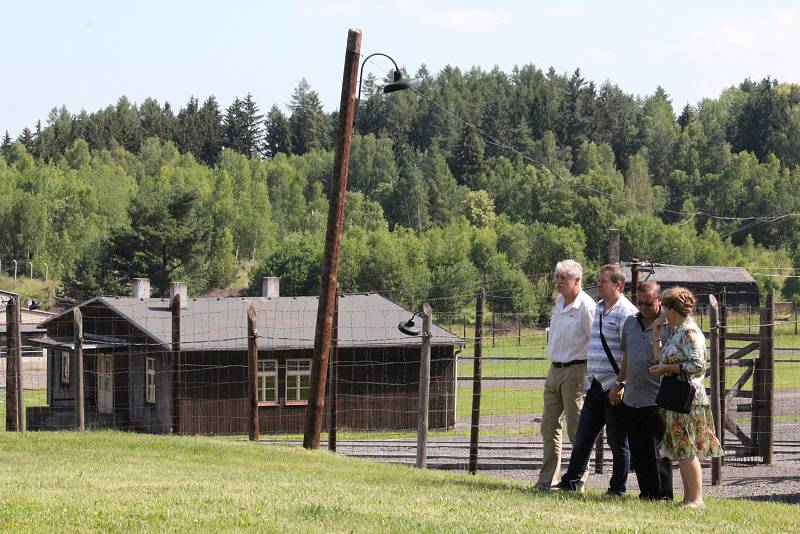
399 83
410 327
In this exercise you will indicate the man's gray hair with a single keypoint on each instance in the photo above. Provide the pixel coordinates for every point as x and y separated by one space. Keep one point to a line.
569 268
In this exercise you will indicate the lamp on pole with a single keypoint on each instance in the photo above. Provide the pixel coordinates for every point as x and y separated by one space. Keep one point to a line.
333 234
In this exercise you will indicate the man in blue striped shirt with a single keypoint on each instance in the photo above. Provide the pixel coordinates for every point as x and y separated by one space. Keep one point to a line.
602 406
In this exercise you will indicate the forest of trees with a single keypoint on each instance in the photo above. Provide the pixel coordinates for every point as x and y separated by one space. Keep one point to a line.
477 178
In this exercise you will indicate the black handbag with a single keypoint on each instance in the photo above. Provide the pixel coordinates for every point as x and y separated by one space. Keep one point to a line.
675 394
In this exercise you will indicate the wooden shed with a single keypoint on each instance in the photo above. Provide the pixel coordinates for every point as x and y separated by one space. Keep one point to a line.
134 379
736 282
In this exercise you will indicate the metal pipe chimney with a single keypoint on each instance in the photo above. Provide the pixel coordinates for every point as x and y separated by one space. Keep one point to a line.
271 287
140 288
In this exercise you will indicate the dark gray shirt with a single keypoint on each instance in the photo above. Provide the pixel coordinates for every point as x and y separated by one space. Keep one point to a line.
641 386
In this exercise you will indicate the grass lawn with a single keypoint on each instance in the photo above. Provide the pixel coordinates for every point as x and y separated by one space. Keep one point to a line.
119 482
501 401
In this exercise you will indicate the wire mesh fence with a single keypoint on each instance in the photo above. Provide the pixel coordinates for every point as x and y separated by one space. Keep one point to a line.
150 368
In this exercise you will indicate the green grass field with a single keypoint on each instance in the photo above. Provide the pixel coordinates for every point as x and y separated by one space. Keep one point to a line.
119 482
30 397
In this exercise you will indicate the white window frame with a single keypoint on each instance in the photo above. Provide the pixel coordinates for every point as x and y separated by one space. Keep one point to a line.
65 366
150 379
267 369
296 370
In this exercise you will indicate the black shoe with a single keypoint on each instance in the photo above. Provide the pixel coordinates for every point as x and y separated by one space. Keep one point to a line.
615 493
573 486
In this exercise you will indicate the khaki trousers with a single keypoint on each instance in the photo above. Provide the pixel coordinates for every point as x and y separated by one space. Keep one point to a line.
563 396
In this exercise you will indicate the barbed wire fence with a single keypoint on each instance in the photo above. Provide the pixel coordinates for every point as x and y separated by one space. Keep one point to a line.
150 367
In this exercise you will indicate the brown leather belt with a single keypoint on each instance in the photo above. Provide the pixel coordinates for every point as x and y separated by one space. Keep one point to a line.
561 365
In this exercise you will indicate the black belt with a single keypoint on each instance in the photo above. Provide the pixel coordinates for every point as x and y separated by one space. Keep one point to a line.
561 365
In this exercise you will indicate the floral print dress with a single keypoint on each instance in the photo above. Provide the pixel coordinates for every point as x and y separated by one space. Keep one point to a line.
692 433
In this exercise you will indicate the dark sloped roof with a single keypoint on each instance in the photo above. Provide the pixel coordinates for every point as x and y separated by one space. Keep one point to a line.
693 274
367 320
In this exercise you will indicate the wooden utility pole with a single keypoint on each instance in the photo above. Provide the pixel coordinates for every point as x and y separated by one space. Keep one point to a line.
476 383
333 237
176 355
713 316
77 370
613 246
252 361
14 417
634 278
424 387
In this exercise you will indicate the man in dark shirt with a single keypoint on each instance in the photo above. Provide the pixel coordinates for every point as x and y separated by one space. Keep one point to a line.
638 389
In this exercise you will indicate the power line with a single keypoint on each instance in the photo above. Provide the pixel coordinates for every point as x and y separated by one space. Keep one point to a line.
569 178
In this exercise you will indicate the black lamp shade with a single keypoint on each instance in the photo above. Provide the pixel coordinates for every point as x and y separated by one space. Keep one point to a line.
400 83
410 327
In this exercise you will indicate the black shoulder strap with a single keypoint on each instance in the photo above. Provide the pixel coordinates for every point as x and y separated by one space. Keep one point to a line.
611 359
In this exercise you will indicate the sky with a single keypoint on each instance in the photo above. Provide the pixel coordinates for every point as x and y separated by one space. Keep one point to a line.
85 54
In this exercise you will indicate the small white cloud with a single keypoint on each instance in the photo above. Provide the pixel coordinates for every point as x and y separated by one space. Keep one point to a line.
605 54
564 11
759 38
472 21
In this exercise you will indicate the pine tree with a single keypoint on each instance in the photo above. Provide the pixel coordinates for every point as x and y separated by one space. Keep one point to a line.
36 151
686 117
466 161
5 148
278 136
189 137
157 121
253 128
308 124
27 139
233 127
211 129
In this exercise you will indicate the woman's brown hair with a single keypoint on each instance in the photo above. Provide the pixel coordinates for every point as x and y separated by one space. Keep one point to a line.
679 299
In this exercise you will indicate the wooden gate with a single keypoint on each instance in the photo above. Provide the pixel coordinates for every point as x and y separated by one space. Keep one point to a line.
757 360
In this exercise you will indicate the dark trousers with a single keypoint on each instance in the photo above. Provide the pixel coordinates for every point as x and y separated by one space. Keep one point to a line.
596 412
645 430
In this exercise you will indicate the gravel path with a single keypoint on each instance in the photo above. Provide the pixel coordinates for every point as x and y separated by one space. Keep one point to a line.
519 458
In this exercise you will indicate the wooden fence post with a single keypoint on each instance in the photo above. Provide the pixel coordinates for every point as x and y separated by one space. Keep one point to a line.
424 387
333 376
763 380
77 367
723 355
713 316
15 421
176 355
252 360
476 383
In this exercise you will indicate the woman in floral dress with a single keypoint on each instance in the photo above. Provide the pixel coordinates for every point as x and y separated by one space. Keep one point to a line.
692 434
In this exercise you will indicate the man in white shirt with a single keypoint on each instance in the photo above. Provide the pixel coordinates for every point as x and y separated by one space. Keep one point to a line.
570 330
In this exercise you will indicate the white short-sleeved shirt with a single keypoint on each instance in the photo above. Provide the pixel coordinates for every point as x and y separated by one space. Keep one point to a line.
599 368
570 328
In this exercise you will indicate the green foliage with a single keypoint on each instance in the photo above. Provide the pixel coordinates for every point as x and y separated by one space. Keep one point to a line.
297 261
435 207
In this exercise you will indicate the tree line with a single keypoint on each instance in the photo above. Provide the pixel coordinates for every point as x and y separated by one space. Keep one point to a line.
480 178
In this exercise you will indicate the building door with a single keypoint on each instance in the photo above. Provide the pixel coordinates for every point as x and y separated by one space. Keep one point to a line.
105 383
